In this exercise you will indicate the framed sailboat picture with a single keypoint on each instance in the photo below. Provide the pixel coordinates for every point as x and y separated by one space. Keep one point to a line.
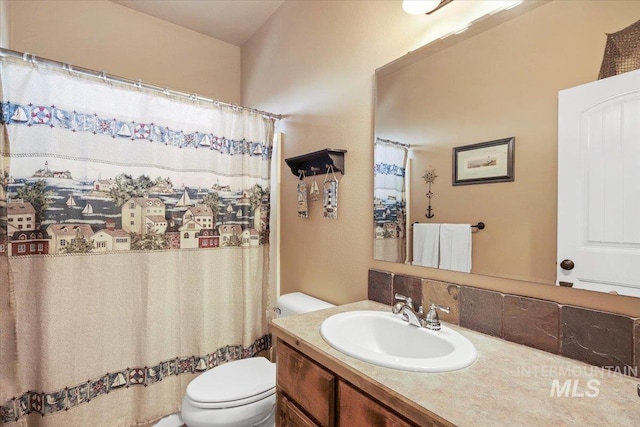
491 161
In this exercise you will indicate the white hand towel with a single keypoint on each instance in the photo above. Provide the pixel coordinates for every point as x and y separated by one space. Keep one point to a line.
426 238
455 247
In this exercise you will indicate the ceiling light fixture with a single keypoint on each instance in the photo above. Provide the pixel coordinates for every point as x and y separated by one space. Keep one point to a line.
416 7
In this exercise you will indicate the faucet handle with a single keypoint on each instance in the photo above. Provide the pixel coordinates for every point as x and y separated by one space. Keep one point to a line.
408 300
432 321
439 307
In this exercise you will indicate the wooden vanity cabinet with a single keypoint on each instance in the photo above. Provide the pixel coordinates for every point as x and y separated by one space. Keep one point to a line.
357 410
306 385
288 414
310 395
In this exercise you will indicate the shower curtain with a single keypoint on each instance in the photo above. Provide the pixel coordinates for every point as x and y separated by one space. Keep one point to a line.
389 200
134 235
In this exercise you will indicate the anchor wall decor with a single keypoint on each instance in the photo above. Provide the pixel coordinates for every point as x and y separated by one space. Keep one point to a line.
429 177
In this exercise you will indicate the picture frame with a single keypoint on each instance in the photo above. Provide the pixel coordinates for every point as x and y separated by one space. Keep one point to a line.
485 162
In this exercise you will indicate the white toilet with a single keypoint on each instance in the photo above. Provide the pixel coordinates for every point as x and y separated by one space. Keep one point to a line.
241 393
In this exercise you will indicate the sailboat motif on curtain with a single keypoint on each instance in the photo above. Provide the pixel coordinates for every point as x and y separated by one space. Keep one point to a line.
88 209
185 200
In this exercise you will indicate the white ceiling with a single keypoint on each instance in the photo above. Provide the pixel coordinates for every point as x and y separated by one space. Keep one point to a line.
232 21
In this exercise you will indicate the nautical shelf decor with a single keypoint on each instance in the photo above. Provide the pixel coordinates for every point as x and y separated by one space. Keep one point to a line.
320 161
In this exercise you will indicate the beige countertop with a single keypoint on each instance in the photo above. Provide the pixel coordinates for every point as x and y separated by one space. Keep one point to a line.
509 384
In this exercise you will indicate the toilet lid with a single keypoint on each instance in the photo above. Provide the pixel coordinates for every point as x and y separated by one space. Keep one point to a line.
233 384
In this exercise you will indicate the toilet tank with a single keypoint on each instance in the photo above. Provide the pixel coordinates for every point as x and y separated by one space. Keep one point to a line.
298 303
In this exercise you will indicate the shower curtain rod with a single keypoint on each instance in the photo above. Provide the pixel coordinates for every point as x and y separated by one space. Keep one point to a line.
28 57
388 141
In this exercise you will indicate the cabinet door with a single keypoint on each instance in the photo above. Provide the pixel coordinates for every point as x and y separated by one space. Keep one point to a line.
357 410
306 383
288 414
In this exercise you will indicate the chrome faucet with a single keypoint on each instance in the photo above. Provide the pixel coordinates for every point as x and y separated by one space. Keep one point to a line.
410 316
432 321
404 306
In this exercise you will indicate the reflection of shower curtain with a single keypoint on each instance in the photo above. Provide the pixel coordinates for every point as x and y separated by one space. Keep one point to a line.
389 201
134 238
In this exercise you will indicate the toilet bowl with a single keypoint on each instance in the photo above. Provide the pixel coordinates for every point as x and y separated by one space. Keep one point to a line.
237 394
241 393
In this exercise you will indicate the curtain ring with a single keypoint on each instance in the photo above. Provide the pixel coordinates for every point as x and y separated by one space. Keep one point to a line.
28 57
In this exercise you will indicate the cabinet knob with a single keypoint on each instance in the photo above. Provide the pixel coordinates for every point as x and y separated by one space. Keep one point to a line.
567 264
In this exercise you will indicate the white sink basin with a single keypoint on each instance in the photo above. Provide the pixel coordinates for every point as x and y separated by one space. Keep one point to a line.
384 339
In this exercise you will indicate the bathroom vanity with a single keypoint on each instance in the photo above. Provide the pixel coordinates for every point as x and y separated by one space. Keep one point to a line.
318 385
306 387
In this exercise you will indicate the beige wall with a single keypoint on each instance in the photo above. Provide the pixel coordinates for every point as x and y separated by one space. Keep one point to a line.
314 62
4 23
105 36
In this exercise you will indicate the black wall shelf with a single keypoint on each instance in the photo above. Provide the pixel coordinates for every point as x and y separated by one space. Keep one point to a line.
318 160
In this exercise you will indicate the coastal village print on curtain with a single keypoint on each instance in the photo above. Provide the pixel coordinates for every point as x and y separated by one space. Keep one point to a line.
60 204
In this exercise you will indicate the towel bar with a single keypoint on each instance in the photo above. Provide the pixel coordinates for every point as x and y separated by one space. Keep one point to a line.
479 226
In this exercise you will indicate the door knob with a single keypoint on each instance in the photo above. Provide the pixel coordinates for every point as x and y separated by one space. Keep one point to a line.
567 264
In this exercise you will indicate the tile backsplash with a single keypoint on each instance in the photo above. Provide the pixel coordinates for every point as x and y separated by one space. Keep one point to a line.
532 322
599 338
636 343
596 337
481 310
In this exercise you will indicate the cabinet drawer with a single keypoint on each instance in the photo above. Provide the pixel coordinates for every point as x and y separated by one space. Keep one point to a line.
357 410
306 383
288 414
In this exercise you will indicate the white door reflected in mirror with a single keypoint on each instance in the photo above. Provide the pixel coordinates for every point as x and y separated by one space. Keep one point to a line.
599 185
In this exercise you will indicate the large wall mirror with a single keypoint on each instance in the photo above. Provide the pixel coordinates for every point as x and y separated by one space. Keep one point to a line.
499 80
